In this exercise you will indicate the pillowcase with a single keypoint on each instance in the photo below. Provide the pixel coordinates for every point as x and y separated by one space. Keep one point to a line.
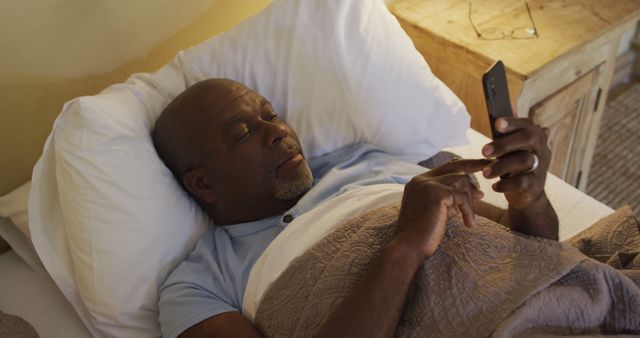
14 206
107 217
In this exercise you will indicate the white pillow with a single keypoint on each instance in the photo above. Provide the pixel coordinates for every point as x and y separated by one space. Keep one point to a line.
109 221
339 72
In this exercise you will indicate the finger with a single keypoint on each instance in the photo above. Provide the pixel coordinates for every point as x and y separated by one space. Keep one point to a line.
511 125
511 163
460 166
452 179
468 216
463 182
507 125
464 204
452 212
474 181
523 139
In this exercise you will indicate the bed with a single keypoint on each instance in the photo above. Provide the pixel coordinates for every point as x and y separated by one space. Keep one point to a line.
53 290
22 286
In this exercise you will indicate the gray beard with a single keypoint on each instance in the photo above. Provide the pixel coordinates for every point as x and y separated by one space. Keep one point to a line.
287 191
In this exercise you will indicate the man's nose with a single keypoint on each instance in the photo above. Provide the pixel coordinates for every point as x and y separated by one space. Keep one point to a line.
275 132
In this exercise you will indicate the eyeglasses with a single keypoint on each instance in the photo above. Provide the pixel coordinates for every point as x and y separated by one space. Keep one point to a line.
496 33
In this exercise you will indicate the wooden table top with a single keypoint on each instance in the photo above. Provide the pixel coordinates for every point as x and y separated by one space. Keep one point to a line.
562 26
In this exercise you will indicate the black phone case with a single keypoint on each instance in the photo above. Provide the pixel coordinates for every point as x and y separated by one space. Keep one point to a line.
496 94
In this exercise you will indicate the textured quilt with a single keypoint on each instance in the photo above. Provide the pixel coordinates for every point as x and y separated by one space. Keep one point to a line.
481 282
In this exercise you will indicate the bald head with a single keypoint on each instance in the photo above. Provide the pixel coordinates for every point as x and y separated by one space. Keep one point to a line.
227 148
181 130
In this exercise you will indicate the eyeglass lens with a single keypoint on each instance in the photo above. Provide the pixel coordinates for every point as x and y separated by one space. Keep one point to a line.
497 33
516 33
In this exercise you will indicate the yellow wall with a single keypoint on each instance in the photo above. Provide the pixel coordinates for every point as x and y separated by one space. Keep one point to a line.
54 50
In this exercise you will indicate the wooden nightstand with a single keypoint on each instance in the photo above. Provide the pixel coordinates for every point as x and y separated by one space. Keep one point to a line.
559 78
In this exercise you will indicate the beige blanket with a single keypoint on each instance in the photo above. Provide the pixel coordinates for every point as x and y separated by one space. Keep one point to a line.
481 282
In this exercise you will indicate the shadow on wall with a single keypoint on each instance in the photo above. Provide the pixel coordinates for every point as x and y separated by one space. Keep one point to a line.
32 97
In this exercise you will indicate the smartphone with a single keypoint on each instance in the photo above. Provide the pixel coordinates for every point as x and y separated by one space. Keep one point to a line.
496 94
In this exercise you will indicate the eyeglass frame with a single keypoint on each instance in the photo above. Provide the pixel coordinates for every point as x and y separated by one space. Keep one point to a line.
504 36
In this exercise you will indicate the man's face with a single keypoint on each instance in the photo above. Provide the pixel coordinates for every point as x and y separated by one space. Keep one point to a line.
249 154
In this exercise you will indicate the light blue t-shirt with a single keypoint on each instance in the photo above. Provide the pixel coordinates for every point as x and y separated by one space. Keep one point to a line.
213 277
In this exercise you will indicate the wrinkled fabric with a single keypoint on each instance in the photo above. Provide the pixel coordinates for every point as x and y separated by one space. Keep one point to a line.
481 282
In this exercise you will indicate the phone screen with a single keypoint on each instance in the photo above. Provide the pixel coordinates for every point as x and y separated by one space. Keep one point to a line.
496 94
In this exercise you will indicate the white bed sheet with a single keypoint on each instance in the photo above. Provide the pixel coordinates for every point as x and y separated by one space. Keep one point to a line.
33 296
576 210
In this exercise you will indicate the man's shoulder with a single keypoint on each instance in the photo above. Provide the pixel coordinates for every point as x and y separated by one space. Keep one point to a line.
195 290
200 259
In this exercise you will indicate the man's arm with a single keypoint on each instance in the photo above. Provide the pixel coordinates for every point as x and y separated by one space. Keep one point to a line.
540 219
515 155
522 222
372 308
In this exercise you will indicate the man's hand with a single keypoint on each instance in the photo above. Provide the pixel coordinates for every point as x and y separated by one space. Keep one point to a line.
515 154
521 180
431 199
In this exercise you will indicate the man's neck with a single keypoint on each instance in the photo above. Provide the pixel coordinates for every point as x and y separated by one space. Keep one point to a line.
247 211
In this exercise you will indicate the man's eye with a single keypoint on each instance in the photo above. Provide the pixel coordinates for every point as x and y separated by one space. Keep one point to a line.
242 134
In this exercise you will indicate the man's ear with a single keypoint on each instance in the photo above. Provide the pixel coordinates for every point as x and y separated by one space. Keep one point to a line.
196 182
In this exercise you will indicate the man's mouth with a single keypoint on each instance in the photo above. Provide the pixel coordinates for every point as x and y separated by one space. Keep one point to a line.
292 159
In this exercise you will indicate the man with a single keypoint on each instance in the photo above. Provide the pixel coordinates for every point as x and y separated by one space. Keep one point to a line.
246 169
